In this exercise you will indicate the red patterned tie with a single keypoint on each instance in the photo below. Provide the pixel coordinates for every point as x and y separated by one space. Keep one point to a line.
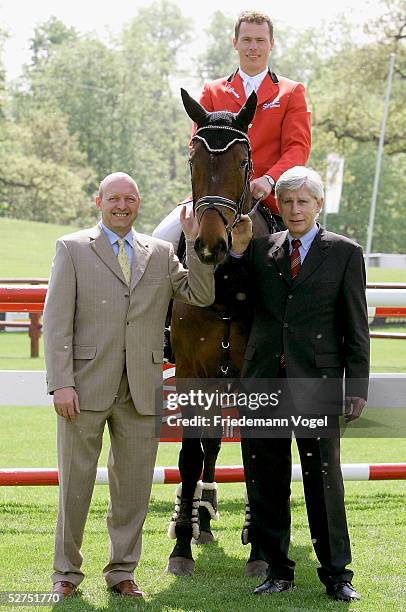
295 261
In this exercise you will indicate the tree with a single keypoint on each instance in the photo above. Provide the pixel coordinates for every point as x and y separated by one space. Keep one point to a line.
120 104
43 176
48 36
3 36
219 58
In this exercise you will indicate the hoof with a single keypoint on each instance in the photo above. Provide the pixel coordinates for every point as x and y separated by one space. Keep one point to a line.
180 566
256 569
206 537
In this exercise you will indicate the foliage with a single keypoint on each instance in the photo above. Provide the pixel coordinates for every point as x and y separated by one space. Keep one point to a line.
219 58
42 171
86 107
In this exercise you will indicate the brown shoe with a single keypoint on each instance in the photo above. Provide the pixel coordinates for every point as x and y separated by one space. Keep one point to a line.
127 588
64 589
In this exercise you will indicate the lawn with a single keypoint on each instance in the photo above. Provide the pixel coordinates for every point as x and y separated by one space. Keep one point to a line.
32 245
376 518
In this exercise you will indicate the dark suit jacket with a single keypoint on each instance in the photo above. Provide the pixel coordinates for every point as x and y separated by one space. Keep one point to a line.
319 319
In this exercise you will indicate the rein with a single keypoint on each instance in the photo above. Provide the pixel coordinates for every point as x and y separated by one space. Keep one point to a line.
216 202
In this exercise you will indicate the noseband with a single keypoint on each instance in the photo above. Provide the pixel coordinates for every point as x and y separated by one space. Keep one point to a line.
216 202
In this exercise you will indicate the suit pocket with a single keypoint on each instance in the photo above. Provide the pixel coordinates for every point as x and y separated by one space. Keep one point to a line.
158 356
327 360
84 352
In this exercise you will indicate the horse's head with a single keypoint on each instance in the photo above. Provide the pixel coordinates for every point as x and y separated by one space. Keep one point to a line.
220 162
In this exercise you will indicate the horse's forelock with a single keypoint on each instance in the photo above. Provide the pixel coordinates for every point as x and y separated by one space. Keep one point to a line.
221 118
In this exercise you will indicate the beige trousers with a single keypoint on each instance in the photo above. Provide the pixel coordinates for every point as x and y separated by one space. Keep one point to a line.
130 468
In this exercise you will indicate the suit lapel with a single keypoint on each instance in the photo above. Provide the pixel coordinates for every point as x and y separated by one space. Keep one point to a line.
102 247
268 92
142 254
235 88
317 253
280 254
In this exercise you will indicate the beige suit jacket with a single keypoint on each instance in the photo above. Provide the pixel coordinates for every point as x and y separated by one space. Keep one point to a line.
94 324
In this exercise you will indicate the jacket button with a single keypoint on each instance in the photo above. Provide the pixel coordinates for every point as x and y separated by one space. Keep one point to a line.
290 296
286 325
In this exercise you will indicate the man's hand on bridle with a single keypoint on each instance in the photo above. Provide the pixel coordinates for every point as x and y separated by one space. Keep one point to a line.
241 235
189 223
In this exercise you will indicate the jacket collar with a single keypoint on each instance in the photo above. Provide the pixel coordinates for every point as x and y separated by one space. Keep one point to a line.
318 251
268 90
102 247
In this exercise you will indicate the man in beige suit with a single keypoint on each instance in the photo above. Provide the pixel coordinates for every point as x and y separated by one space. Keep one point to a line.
103 322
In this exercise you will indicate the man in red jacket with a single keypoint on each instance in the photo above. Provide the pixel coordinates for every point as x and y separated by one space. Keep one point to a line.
280 132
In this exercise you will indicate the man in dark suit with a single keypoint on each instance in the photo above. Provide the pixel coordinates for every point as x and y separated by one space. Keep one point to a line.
310 322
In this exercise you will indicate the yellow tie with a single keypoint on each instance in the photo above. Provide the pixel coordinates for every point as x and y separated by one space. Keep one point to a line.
124 260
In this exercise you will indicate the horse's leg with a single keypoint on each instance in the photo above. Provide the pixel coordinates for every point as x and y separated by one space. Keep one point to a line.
184 524
208 508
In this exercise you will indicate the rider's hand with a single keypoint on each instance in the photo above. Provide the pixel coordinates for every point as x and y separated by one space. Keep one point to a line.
260 188
241 235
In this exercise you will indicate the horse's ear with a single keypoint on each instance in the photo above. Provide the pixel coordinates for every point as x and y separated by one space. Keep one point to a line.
195 110
246 114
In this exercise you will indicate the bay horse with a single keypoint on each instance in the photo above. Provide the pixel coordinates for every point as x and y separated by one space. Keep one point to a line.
210 342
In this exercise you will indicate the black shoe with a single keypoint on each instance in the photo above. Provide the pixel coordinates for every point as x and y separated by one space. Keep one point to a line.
343 591
274 585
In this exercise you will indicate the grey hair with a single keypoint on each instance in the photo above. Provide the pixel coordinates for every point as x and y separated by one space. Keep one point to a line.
300 176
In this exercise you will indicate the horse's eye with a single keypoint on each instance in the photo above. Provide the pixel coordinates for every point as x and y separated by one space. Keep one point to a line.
190 163
244 163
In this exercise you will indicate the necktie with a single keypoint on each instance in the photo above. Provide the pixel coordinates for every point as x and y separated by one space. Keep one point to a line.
249 88
295 261
124 260
295 264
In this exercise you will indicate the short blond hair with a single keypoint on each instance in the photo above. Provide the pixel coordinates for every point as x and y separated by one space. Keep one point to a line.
253 17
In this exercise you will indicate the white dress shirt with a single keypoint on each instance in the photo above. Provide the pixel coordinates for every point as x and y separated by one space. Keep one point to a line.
252 83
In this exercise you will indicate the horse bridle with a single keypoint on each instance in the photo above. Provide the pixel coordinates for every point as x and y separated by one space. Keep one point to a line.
215 202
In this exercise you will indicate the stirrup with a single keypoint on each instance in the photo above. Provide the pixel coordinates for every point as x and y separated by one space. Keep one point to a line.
209 499
194 519
247 521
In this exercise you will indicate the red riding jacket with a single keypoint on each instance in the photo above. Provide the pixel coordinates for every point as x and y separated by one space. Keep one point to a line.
280 133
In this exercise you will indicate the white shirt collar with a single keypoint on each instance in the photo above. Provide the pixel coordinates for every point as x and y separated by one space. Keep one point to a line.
255 80
307 238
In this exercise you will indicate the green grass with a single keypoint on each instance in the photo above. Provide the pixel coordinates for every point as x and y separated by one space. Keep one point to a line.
386 275
27 519
32 245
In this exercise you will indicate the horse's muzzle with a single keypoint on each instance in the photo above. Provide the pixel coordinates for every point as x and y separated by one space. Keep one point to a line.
211 254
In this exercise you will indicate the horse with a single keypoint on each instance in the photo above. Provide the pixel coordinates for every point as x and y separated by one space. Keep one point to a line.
210 342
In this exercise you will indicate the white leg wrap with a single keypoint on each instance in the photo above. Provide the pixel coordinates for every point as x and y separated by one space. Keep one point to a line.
195 511
209 499
247 520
